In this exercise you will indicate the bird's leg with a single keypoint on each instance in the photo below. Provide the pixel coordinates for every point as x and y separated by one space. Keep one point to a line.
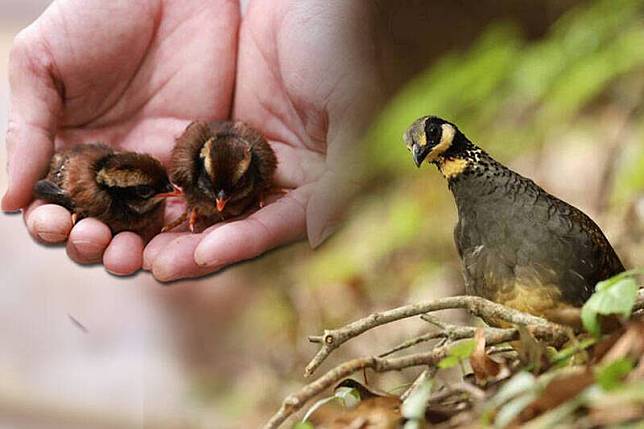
74 218
172 225
193 219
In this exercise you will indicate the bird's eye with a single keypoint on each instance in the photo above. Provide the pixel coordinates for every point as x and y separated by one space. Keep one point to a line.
432 132
144 191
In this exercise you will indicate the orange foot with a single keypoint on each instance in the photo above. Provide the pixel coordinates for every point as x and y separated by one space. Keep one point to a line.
193 220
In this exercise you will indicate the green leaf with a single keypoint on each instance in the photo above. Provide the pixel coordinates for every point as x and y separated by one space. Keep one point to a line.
303 425
612 296
448 362
611 375
564 356
460 351
463 349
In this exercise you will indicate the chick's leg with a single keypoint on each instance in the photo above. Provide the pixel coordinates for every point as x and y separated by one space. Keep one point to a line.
192 221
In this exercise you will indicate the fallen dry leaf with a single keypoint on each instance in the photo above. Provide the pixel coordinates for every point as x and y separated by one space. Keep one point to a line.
485 368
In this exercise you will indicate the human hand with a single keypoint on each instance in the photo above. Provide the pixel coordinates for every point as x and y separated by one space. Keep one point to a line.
306 79
128 74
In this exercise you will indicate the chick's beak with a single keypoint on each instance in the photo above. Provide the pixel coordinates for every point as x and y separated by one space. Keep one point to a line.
221 201
174 191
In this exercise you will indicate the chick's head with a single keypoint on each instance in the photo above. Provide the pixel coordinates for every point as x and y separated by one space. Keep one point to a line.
226 160
137 181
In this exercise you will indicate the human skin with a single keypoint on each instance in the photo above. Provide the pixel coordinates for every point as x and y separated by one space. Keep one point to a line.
134 76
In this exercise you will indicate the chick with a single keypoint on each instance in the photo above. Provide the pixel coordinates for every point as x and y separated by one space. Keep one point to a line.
519 245
223 168
125 190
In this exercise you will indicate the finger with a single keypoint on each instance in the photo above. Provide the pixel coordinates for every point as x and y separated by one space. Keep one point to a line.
162 241
156 245
327 207
176 260
35 108
278 223
48 223
88 240
124 254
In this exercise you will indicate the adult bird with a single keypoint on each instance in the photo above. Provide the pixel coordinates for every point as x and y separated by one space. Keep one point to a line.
519 245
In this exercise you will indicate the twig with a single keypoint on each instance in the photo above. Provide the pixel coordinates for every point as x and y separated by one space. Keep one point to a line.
448 332
427 373
296 401
414 341
487 310
549 333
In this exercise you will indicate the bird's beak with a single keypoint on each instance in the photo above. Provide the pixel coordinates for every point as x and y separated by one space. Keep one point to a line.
175 192
418 154
221 201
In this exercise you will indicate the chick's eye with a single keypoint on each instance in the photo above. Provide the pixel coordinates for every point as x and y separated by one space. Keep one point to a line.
144 191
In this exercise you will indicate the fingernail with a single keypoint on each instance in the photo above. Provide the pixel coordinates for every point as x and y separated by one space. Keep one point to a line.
120 273
163 273
206 253
50 237
87 248
204 261
204 256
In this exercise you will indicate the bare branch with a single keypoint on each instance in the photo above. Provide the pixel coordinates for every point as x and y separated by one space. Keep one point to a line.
489 311
295 402
448 332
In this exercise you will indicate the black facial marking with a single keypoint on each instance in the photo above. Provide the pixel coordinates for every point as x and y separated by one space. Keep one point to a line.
433 132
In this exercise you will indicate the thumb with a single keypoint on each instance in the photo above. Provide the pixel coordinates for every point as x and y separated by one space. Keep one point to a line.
35 108
333 193
328 205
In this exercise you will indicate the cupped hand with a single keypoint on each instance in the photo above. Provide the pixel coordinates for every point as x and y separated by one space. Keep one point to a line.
129 74
306 79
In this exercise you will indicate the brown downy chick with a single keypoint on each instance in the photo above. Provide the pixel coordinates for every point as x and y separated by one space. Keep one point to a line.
125 190
223 168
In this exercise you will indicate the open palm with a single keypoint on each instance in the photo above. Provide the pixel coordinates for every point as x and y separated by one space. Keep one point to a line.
296 84
128 74
134 76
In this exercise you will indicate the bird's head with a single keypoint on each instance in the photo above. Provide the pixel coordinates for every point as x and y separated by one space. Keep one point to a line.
226 160
135 180
430 137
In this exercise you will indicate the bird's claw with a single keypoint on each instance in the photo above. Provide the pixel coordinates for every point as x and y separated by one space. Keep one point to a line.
192 220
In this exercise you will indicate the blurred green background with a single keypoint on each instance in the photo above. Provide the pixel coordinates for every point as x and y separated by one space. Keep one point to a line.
565 109
554 89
